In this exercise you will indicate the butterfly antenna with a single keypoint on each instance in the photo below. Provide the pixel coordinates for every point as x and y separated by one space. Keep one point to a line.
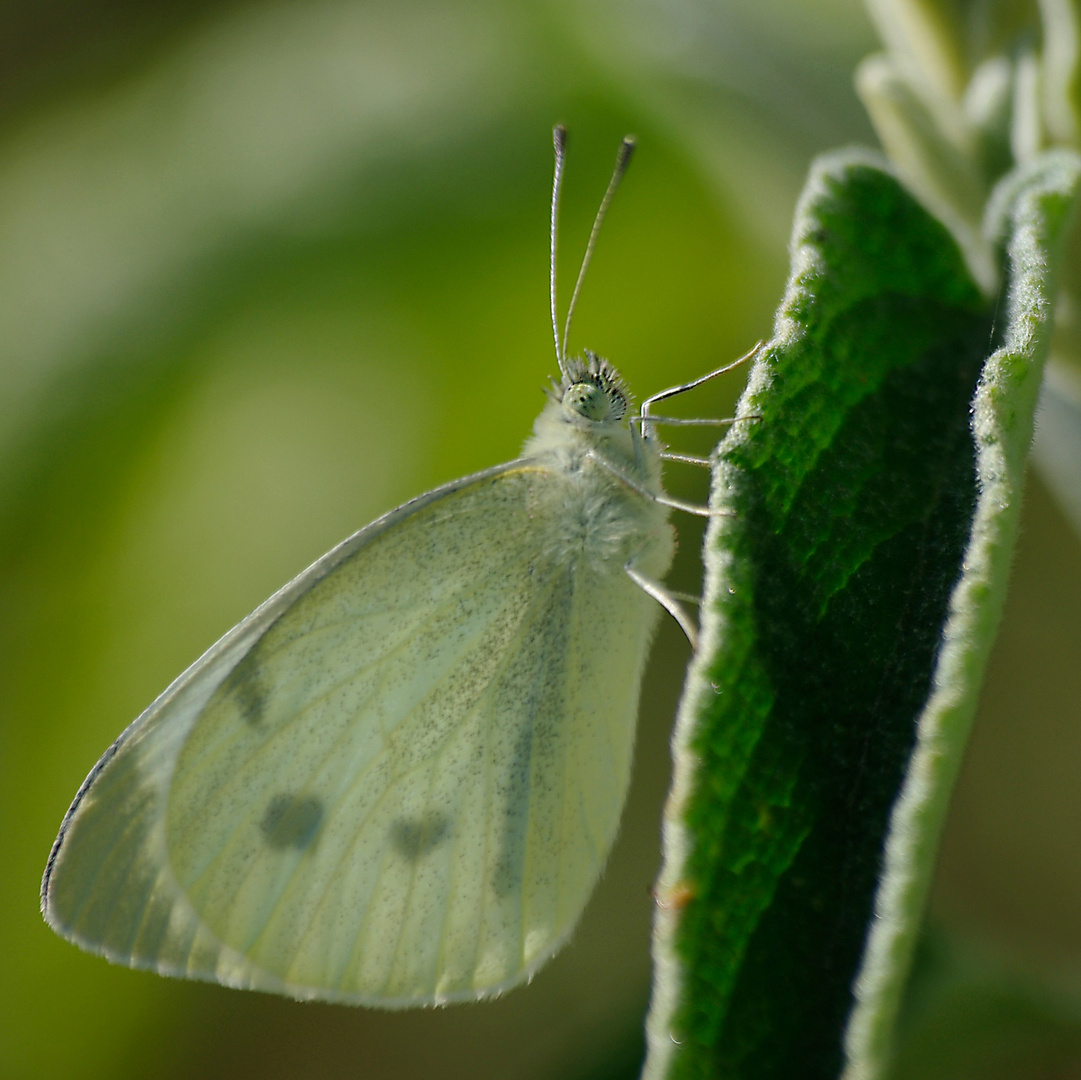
623 159
559 141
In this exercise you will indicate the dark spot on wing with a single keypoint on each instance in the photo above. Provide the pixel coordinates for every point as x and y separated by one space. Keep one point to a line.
250 702
414 837
292 821
246 690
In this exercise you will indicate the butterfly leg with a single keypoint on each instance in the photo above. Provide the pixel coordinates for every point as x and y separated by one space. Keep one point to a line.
694 421
647 421
687 459
672 391
667 600
664 500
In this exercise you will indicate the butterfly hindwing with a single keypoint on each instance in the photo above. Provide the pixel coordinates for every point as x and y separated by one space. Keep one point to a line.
394 783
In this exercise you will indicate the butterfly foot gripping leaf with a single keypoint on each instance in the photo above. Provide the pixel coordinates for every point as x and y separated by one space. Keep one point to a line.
396 782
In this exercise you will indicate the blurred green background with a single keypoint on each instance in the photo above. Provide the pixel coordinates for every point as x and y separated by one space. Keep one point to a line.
264 269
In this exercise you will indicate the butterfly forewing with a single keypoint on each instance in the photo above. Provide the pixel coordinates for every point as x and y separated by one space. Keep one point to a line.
398 785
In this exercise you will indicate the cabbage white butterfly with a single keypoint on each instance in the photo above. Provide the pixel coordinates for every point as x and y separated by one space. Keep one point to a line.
396 782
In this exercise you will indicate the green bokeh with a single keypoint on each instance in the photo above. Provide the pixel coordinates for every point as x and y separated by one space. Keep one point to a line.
261 266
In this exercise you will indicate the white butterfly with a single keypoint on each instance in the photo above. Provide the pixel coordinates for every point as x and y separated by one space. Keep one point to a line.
397 781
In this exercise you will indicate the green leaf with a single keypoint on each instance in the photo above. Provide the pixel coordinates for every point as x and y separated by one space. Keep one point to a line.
933 146
928 39
1062 69
835 626
1028 215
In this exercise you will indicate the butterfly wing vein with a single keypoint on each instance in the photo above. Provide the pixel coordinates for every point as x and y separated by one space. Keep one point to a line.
400 789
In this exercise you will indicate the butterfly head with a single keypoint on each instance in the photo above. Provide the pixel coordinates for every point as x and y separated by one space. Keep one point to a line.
592 390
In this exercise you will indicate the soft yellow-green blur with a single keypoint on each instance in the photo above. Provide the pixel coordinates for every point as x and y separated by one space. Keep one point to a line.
269 269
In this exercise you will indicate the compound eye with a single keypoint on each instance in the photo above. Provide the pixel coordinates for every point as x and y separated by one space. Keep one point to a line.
588 400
